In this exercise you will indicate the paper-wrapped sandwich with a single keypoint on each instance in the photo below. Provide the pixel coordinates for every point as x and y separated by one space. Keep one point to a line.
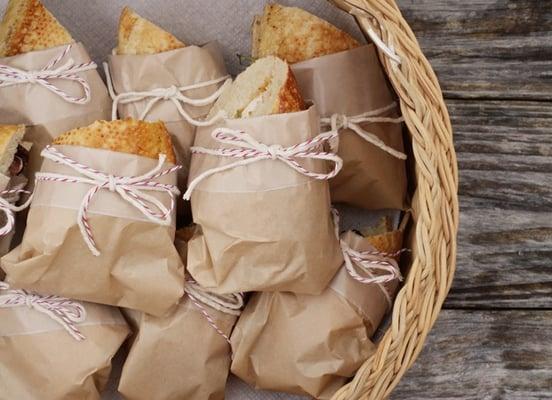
347 84
188 347
14 155
53 348
65 91
155 76
321 341
259 191
101 223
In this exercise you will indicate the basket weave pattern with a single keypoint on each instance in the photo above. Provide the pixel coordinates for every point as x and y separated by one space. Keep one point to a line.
434 202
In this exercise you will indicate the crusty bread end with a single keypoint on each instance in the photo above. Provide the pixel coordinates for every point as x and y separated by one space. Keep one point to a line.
10 137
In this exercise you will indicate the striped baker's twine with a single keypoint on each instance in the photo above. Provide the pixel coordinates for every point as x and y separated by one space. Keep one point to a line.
132 189
229 304
248 150
338 122
64 311
172 93
68 71
7 206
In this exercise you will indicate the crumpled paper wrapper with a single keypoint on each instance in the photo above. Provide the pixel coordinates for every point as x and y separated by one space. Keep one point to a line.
264 226
40 360
138 267
351 83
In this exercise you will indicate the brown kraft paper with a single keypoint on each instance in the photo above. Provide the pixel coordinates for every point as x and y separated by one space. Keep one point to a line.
138 267
181 67
321 341
351 83
179 356
264 226
40 360
46 114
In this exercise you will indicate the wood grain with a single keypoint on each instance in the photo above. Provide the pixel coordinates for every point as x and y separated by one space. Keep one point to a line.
477 355
505 239
486 48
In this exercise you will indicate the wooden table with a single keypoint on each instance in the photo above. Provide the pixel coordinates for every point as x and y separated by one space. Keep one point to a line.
494 62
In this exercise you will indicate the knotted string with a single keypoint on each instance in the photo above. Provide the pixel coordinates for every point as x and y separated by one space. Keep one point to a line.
64 311
229 304
132 189
8 207
338 122
248 150
171 93
68 71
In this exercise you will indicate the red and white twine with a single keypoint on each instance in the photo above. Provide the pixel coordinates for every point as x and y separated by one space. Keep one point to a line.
248 151
338 122
229 304
68 71
132 189
172 93
65 312
7 206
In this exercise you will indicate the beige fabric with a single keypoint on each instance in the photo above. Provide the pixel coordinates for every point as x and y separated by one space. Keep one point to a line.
46 114
351 83
42 361
263 226
138 266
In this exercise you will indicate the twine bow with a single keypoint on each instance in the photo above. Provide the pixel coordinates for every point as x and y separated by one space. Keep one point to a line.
132 189
229 304
338 122
248 150
64 311
171 93
7 206
68 71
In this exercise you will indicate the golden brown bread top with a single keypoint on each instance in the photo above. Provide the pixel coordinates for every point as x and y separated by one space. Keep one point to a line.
389 242
147 139
290 99
137 35
28 26
295 35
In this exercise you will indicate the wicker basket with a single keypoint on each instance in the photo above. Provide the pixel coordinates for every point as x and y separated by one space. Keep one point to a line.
432 236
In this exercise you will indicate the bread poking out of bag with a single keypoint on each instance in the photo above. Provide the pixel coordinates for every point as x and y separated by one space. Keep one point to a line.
295 35
147 139
266 87
28 26
12 154
137 36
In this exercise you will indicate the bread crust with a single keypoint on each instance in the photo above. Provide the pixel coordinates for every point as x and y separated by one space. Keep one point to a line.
147 139
138 36
295 35
28 26
290 98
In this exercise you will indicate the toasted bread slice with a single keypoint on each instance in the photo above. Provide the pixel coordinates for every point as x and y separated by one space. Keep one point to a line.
388 242
137 35
10 138
28 26
147 139
266 87
295 35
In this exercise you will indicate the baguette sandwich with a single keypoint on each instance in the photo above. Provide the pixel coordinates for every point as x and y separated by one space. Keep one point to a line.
13 152
28 26
147 139
295 35
138 36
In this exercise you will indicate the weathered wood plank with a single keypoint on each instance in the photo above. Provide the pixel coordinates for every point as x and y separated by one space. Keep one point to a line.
486 48
505 239
480 355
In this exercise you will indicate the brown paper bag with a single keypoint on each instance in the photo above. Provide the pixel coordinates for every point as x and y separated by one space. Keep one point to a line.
139 80
351 83
45 113
39 359
263 226
138 266
182 355
321 341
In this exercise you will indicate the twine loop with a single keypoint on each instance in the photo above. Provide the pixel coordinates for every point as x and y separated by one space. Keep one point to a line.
338 122
10 76
173 93
132 189
65 312
248 151
7 206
